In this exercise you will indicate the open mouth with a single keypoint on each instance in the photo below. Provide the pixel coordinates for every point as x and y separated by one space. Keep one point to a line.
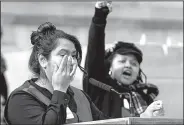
127 73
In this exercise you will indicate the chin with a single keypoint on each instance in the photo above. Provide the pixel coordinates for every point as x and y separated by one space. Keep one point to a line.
125 82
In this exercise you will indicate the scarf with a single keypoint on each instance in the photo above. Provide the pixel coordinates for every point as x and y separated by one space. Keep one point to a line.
140 99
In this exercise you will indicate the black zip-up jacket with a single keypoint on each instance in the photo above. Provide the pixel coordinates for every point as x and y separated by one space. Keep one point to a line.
108 102
23 108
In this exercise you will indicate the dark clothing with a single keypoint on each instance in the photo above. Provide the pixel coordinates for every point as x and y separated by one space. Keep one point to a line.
23 108
3 85
3 65
108 102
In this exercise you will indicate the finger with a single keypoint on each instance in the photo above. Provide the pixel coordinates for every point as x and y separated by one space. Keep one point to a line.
72 74
159 102
63 63
158 106
74 69
109 5
114 44
158 112
162 113
153 106
155 113
104 3
111 49
98 4
68 68
55 68
101 4
108 50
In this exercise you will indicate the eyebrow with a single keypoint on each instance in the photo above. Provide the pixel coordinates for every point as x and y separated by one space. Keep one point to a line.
133 59
64 50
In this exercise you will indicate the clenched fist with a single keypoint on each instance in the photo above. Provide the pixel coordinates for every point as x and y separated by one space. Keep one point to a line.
102 9
101 4
153 110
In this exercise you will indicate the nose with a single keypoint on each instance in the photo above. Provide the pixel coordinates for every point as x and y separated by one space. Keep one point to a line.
127 64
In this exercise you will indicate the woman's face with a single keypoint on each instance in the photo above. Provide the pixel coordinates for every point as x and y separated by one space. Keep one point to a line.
125 68
63 47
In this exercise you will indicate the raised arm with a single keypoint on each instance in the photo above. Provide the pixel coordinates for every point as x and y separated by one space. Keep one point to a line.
94 63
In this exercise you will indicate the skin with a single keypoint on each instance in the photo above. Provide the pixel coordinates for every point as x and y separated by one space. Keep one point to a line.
64 47
124 63
60 68
118 65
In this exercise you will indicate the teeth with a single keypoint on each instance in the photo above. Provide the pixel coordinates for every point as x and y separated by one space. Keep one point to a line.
127 73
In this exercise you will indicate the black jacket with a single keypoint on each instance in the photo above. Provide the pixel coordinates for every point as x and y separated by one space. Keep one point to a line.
108 102
24 108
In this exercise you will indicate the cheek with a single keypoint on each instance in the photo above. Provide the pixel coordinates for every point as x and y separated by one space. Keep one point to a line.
117 68
56 60
74 61
135 72
116 65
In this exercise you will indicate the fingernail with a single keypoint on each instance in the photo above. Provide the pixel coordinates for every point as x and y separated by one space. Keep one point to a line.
66 57
55 66
70 58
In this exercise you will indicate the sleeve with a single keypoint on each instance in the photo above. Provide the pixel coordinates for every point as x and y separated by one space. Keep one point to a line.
151 93
94 63
3 65
25 109
96 113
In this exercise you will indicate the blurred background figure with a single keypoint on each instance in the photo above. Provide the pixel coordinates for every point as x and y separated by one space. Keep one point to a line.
155 27
3 87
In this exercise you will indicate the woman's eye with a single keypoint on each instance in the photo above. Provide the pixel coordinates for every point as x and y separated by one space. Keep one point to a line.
62 55
74 56
134 63
123 61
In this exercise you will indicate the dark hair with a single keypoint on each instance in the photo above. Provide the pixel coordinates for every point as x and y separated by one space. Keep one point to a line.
122 48
3 84
44 41
3 87
1 33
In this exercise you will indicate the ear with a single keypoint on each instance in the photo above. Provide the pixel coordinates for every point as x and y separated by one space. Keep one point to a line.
42 60
110 73
139 78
